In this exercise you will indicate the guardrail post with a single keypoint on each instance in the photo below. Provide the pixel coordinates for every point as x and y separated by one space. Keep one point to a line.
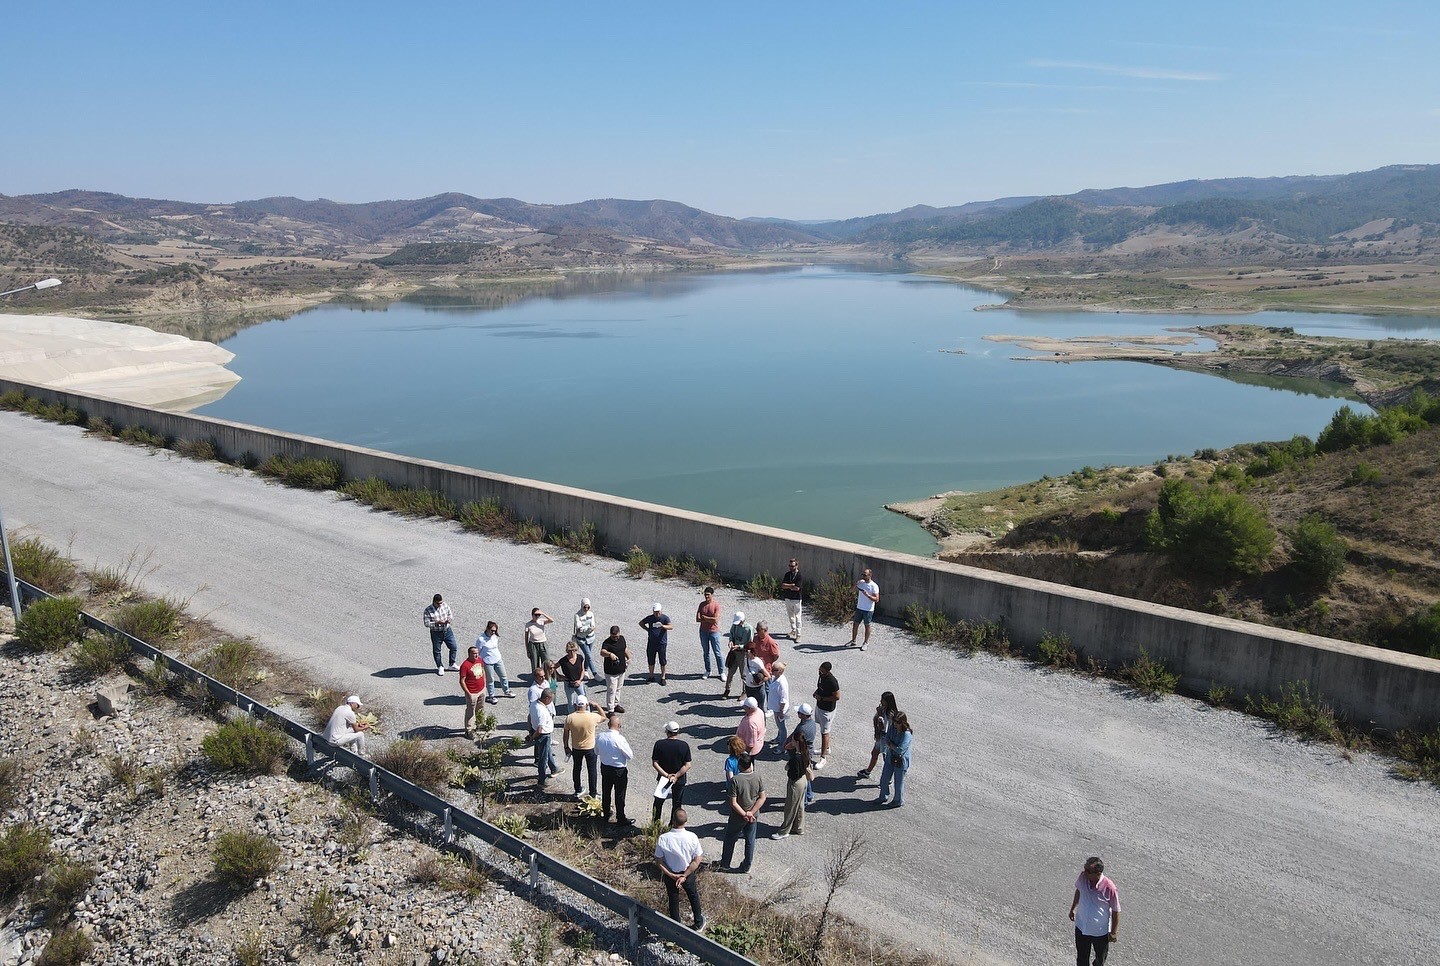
374 785
309 752
449 834
14 588
634 930
534 873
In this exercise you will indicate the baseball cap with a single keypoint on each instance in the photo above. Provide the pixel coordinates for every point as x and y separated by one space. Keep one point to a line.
672 728
354 699
581 701
657 607
804 710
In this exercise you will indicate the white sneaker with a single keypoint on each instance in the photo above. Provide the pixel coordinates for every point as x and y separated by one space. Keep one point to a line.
863 646
454 666
777 836
818 763
439 670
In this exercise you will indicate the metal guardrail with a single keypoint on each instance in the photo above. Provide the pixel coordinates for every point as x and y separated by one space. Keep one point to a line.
454 819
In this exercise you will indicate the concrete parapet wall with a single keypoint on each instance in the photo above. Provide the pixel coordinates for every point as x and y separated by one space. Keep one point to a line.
1366 684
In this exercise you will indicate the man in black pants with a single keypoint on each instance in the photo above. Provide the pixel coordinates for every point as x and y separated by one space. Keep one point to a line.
1095 911
678 855
615 754
671 760
791 588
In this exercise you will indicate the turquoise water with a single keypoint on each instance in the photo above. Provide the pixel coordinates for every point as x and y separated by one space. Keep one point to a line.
801 398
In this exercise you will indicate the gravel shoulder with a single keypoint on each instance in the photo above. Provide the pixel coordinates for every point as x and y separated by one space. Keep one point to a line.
1228 843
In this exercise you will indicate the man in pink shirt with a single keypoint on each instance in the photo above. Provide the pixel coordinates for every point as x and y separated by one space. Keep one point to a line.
1095 911
752 727
765 647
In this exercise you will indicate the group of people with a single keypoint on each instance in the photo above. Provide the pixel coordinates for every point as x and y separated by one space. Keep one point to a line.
600 757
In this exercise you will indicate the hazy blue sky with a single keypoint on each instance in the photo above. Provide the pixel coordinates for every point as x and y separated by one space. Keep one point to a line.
802 110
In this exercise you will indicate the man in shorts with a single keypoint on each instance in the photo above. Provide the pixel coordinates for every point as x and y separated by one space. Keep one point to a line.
657 641
827 696
867 595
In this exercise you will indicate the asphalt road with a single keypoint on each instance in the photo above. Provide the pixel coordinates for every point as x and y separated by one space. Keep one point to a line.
1229 844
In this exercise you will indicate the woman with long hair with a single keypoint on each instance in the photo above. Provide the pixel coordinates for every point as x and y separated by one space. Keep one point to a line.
884 711
573 674
898 738
489 645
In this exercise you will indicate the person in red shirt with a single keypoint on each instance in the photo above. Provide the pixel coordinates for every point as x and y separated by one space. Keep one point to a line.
765 647
472 686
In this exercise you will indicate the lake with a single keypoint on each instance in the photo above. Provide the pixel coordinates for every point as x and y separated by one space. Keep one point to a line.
801 398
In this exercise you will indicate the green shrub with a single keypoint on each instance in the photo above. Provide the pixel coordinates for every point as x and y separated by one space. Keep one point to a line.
127 772
197 449
411 760
1363 474
140 436
309 474
13 400
68 947
63 886
528 531
1149 677
152 621
488 517
1218 695
1297 710
638 563
241 744
52 624
579 542
763 586
928 625
403 500
40 564
1057 651
1274 457
24 854
1419 755
54 412
1317 552
321 702
1211 531
242 857
1417 632
235 664
100 426
99 654
832 601
249 950
324 914
688 569
1350 430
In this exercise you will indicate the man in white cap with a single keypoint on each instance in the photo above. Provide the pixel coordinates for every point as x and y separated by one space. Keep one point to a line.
579 741
671 760
740 635
807 728
343 729
657 629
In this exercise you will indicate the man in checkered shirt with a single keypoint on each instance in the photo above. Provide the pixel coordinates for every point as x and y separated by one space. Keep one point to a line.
438 618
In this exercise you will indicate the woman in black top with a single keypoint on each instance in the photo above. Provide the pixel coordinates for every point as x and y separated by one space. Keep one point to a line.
572 673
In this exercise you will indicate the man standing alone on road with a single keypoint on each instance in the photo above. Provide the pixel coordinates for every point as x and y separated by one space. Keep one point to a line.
1095 911
535 640
657 642
867 595
791 593
707 615
438 618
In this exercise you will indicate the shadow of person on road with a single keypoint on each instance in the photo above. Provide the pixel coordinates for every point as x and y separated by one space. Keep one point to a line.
401 672
450 699
432 733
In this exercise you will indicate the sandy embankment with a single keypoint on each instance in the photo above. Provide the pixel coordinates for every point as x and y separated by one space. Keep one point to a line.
126 362
923 513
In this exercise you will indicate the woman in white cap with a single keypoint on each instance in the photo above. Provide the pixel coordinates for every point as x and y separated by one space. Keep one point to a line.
584 635
740 634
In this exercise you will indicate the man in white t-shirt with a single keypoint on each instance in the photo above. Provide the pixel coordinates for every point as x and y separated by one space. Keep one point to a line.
678 855
1095 911
343 729
867 595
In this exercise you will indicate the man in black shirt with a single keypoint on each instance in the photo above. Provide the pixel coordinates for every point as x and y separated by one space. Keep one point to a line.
790 593
671 760
827 696
616 656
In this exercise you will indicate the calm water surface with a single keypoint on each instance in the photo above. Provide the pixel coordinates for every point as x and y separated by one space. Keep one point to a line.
803 398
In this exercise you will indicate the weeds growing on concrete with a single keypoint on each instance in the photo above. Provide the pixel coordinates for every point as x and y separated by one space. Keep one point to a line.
490 518
1299 711
1149 677
140 436
241 744
1419 755
242 857
402 500
52 624
121 581
38 563
688 569
17 401
638 563
308 474
411 760
578 543
1057 651
100 426
1218 695
204 450
832 601
763 586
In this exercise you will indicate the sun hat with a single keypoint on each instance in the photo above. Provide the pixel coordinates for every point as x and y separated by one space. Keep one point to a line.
739 617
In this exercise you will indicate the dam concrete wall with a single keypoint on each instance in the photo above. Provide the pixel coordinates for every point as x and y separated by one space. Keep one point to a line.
1387 689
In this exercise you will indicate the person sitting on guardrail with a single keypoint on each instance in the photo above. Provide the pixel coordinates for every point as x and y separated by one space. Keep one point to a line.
343 729
678 856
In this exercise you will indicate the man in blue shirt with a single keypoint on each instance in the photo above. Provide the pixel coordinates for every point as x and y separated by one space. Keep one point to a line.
657 628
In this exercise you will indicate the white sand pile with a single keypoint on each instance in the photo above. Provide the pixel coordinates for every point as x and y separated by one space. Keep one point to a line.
125 362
